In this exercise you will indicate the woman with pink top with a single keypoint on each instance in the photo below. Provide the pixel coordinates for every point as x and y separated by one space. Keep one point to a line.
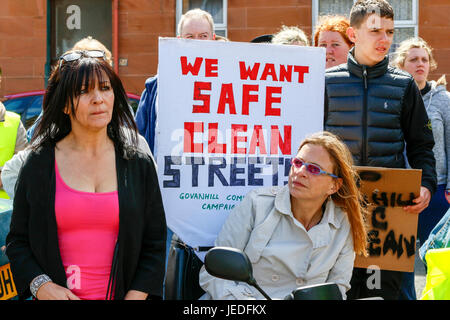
88 220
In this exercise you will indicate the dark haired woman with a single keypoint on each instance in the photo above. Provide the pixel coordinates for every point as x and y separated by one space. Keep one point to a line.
88 219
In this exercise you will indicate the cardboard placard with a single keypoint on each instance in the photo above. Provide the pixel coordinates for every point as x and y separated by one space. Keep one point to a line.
392 231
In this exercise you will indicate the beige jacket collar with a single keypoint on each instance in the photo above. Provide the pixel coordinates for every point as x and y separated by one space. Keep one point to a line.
319 234
283 205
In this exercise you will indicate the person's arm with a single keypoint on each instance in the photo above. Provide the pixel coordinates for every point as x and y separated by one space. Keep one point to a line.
146 114
30 131
419 145
21 139
141 116
18 249
235 233
446 117
149 275
11 169
143 146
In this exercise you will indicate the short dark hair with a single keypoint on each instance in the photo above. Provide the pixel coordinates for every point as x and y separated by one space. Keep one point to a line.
364 8
64 88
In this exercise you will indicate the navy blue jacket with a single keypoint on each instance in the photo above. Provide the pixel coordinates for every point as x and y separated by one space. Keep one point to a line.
375 111
146 112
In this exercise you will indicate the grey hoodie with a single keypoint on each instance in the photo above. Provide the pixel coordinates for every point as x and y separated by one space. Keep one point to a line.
437 104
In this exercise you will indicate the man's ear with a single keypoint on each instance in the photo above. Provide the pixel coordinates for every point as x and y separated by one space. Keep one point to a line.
214 36
351 34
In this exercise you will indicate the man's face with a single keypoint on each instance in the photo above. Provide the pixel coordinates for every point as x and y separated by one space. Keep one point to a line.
372 39
197 28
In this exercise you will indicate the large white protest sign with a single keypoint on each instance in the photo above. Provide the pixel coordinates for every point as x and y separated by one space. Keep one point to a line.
230 117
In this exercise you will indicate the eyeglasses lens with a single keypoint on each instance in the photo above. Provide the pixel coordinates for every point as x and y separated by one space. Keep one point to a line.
311 168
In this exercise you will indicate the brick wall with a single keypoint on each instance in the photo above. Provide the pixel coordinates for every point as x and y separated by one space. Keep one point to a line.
434 27
251 18
22 45
141 22
23 34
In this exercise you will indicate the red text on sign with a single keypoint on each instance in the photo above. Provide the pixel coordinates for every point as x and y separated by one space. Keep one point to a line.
239 136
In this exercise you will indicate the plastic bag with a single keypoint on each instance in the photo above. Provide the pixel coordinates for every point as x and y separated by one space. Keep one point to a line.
438 275
439 237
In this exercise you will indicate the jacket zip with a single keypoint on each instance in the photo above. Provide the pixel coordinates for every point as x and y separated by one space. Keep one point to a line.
364 142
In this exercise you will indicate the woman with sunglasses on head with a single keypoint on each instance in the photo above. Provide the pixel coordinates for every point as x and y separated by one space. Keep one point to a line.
12 167
304 233
88 220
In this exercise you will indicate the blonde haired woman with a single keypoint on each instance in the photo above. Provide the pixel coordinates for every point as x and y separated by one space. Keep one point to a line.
290 35
306 232
415 56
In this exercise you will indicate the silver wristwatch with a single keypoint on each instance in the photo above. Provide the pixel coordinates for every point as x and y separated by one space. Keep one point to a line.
38 282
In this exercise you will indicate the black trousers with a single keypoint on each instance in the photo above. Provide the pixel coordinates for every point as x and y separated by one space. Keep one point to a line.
375 283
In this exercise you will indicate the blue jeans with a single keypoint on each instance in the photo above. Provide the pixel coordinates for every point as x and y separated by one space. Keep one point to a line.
430 217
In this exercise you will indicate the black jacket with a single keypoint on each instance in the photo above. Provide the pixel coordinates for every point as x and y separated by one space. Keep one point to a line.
375 110
32 243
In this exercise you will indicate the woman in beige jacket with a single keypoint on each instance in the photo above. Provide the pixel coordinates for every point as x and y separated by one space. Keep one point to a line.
304 233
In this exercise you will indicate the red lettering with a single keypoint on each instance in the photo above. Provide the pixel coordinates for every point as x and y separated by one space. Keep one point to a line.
226 97
213 146
269 70
189 129
198 87
277 142
247 72
270 99
301 72
235 129
247 97
285 74
188 68
211 67
257 140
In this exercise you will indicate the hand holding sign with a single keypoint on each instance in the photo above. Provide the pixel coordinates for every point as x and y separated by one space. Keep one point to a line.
421 202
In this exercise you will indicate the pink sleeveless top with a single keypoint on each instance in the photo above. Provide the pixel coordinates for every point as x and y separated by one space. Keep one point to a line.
88 225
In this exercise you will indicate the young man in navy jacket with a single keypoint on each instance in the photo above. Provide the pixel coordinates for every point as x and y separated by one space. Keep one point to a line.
377 110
